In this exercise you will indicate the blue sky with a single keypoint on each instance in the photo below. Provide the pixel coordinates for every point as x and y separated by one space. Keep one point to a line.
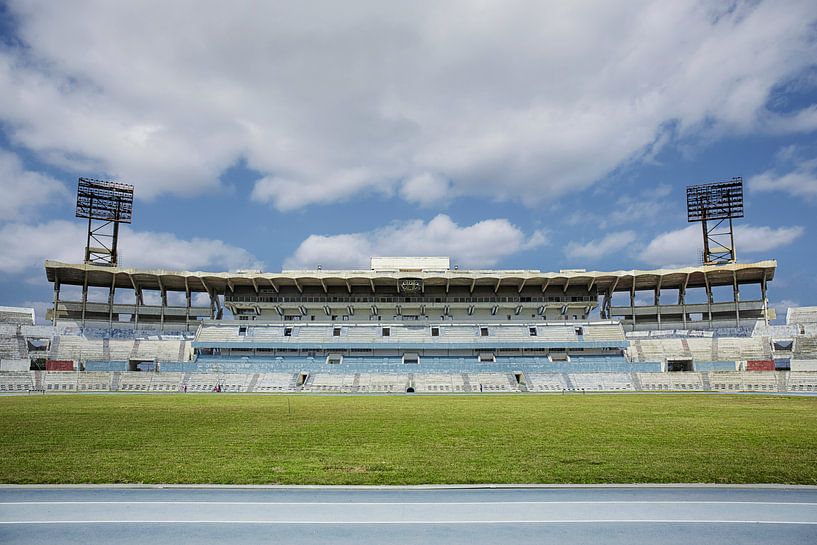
505 134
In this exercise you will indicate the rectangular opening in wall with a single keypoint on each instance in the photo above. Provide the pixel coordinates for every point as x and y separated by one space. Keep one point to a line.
411 358
385 332
483 332
532 331
486 357
287 332
579 331
435 331
679 366
336 332
334 359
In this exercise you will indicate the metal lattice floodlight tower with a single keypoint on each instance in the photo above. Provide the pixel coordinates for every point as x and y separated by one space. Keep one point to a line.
106 205
715 205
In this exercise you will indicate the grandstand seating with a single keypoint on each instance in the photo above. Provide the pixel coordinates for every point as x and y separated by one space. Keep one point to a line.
375 383
408 333
96 382
670 381
61 381
802 382
801 315
165 382
757 381
612 332
275 382
13 348
330 383
493 382
119 350
546 382
805 348
78 349
133 381
16 382
203 382
602 381
16 315
439 383
718 381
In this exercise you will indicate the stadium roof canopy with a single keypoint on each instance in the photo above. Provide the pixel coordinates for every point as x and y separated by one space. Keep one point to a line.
220 282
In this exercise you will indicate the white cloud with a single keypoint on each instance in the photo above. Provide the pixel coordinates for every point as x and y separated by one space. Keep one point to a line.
799 182
27 246
781 307
426 189
482 244
683 246
596 249
517 100
23 191
645 205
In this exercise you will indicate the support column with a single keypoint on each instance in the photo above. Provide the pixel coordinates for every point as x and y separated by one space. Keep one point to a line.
84 296
708 299
163 293
56 300
187 309
736 298
137 293
657 303
765 301
632 302
682 299
111 298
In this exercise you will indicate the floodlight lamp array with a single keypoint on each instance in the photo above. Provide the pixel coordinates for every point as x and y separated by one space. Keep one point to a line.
105 201
720 200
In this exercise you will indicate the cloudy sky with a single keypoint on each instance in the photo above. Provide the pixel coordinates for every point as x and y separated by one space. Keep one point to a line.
506 134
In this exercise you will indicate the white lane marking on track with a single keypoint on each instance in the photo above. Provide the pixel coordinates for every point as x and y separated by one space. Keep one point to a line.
438 522
626 502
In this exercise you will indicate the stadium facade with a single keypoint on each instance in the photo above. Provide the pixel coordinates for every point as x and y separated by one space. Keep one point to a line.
415 289
409 325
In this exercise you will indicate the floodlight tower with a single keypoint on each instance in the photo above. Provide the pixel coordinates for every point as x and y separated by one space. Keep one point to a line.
717 203
106 205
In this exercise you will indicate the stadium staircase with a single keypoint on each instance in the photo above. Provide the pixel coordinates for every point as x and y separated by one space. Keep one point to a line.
55 347
253 382
115 378
636 381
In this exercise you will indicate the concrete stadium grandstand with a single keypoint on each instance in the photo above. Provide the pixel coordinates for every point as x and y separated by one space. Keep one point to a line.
410 325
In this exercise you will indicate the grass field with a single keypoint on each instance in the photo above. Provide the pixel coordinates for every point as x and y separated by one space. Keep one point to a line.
222 438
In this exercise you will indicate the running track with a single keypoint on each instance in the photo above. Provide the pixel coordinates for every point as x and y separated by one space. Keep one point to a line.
569 515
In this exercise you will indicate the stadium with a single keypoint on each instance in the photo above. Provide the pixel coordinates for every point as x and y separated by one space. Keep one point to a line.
409 324
411 372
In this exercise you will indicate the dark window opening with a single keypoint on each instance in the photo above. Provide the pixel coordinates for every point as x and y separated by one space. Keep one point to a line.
679 366
483 332
386 332
336 332
287 332
532 331
435 331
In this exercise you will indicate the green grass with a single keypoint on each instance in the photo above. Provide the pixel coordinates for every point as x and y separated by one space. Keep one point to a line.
222 438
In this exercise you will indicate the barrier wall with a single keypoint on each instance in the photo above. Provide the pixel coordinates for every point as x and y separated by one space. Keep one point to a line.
59 365
760 365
